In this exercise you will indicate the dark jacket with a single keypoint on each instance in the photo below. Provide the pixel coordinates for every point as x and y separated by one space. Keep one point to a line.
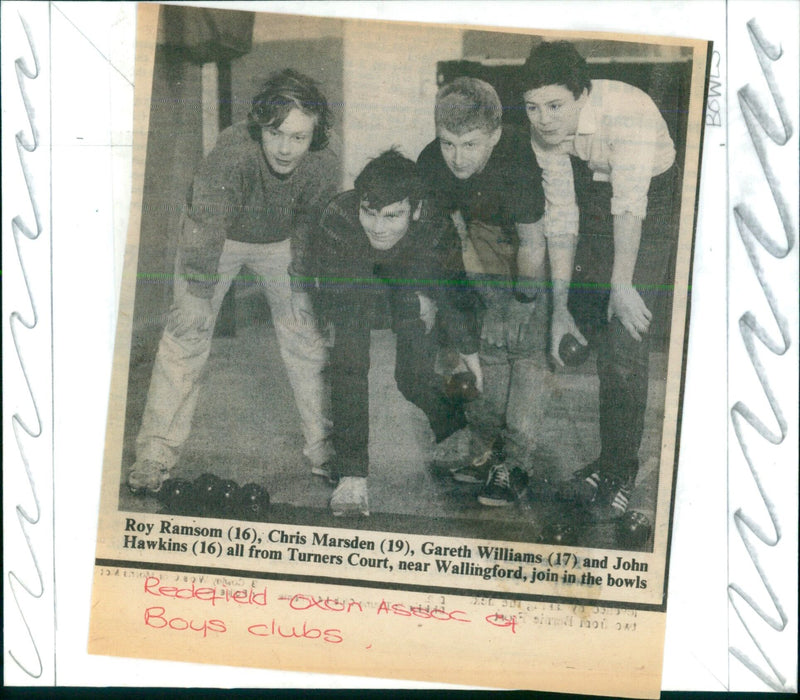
354 279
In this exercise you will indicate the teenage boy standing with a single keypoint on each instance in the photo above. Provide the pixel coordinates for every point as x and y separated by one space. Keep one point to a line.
252 203
486 179
620 193
378 244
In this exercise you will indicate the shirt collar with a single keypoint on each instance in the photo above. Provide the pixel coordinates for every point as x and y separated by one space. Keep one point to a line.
587 125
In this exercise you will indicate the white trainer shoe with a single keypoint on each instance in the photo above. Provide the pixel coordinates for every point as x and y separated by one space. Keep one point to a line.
350 496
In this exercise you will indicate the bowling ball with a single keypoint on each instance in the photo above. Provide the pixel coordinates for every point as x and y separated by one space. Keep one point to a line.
461 387
176 495
571 352
228 495
253 502
559 533
206 491
633 529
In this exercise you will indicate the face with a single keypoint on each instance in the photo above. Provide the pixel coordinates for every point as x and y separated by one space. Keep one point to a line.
553 112
285 145
386 227
468 153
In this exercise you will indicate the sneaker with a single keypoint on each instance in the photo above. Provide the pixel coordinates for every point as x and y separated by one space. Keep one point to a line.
327 472
477 471
503 487
583 486
619 494
147 475
350 496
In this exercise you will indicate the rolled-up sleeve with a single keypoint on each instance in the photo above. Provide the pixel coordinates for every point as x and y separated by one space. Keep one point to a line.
639 147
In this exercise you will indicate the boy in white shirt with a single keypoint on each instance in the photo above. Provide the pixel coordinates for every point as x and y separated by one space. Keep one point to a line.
610 184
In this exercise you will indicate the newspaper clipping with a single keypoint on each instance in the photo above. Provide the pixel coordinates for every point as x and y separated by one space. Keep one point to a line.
400 351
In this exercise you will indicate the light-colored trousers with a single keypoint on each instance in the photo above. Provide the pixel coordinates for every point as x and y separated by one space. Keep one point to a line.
177 373
517 382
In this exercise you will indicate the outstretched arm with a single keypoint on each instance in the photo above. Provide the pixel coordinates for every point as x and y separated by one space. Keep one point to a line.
625 302
561 250
457 301
560 224
530 258
530 274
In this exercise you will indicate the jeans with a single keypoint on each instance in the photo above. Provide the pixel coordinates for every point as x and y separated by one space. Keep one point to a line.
175 382
516 386
516 381
622 361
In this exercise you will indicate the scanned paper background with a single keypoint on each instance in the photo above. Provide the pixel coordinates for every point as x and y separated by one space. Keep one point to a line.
122 532
700 649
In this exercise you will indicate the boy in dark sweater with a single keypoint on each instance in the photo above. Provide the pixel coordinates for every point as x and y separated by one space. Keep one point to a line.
252 204
382 243
485 177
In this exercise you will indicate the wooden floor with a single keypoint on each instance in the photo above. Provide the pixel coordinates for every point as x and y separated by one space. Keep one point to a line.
247 428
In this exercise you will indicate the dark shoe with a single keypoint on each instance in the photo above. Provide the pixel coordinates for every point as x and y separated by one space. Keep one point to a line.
582 488
618 493
503 487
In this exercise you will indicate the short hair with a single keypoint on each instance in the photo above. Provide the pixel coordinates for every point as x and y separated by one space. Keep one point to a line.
555 63
284 91
389 178
467 104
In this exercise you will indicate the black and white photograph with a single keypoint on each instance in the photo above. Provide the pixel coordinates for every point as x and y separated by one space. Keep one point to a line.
405 307
431 344
433 298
